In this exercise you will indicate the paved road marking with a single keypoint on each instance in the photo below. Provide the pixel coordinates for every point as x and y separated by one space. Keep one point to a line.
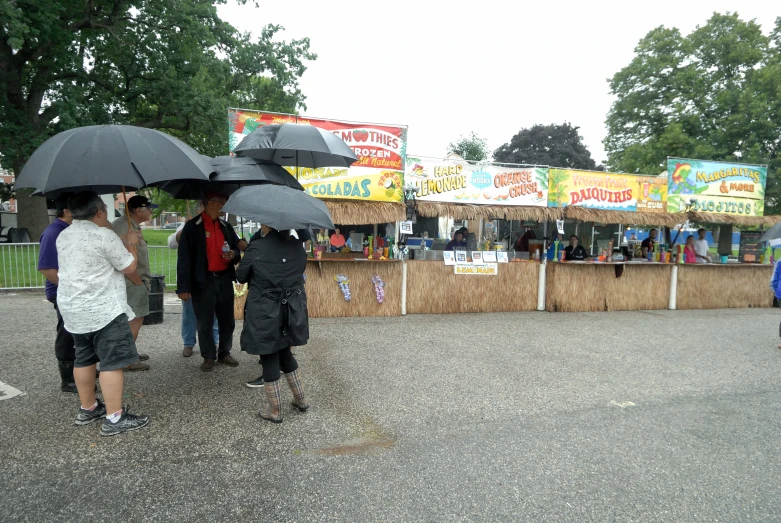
623 405
7 392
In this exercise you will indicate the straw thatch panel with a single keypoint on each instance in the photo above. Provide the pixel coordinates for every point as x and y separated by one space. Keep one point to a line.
625 217
474 212
724 286
579 287
434 288
325 298
704 217
360 213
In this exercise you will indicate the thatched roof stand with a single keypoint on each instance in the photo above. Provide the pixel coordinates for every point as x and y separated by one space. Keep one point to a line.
474 212
703 217
626 217
346 212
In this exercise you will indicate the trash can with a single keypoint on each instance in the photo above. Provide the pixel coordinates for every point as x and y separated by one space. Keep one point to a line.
156 293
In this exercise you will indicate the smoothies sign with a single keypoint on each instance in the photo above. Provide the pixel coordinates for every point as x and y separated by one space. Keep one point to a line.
449 181
716 187
607 191
378 175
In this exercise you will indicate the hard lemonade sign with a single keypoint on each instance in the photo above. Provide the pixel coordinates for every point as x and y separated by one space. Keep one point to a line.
460 182
378 175
606 191
716 187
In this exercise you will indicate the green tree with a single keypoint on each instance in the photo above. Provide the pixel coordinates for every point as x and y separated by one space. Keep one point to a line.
172 65
714 94
555 145
471 148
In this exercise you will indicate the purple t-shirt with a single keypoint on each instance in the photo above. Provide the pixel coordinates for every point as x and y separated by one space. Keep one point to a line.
47 257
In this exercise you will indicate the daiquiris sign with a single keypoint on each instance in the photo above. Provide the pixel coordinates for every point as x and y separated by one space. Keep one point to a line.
716 187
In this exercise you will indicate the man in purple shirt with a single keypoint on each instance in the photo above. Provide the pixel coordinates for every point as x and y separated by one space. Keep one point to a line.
64 346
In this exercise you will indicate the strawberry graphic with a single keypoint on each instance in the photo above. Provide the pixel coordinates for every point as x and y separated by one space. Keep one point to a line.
361 135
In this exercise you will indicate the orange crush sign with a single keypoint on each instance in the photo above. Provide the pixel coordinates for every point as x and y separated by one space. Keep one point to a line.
378 175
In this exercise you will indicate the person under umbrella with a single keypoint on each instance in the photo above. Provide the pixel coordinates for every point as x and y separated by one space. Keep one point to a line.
205 272
137 211
276 316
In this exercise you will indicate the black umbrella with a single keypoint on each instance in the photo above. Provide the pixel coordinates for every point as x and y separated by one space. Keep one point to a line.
279 207
297 145
233 172
108 159
772 235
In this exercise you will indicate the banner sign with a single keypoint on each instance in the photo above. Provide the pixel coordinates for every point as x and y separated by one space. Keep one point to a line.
607 191
489 269
716 187
452 181
378 175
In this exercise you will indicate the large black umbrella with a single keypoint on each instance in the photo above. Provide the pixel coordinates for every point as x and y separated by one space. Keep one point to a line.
298 145
108 158
279 207
233 172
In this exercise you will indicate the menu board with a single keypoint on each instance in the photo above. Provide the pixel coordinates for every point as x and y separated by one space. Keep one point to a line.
750 249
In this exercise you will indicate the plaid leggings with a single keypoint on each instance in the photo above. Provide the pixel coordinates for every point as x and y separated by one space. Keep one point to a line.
283 359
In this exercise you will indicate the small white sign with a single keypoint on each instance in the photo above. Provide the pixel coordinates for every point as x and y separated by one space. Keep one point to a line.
501 257
449 257
490 269
477 258
489 256
560 226
460 257
405 227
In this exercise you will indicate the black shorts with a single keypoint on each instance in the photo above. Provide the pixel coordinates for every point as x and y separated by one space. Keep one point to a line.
112 346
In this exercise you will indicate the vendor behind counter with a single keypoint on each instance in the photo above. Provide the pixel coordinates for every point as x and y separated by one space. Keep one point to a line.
575 252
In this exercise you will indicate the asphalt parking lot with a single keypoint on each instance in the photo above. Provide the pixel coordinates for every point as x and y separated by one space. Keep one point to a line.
637 416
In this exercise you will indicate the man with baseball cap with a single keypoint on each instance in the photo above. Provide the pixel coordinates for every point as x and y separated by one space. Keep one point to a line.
139 208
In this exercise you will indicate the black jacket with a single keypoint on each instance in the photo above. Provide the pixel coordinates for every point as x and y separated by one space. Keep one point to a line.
275 315
191 263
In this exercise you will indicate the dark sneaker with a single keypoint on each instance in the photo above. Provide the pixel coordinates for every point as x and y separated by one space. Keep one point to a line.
254 384
207 365
137 367
85 417
187 352
227 360
68 386
126 423
143 357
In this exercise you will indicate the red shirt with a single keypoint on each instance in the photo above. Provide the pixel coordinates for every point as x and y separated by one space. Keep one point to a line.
214 241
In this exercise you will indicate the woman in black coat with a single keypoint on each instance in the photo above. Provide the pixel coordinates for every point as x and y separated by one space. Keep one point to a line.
275 315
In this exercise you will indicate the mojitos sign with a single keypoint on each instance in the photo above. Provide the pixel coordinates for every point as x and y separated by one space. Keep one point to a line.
716 187
378 175
449 181
607 191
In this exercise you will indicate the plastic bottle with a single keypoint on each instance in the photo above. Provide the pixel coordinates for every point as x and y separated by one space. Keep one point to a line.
225 247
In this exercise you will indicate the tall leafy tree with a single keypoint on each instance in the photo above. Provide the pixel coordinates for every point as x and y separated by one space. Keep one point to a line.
714 94
471 148
172 65
558 145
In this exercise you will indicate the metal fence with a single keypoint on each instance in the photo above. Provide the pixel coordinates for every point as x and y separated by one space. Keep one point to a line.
19 265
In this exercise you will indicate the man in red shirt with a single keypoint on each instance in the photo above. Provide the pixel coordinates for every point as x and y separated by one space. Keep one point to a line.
208 252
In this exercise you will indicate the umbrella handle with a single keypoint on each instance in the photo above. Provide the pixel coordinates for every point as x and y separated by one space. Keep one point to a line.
127 213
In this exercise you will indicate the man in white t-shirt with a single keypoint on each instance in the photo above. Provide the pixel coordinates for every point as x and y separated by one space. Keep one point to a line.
701 247
92 299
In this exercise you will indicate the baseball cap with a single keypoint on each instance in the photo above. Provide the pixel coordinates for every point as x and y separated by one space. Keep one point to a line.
136 202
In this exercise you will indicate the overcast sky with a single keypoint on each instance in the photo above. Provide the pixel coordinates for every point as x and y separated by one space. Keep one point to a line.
493 67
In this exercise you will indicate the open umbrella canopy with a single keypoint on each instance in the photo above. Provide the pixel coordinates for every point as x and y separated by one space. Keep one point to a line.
232 173
772 235
279 207
106 158
298 145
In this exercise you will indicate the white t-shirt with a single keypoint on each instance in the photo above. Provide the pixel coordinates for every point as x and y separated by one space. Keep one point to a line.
701 249
91 291
172 243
